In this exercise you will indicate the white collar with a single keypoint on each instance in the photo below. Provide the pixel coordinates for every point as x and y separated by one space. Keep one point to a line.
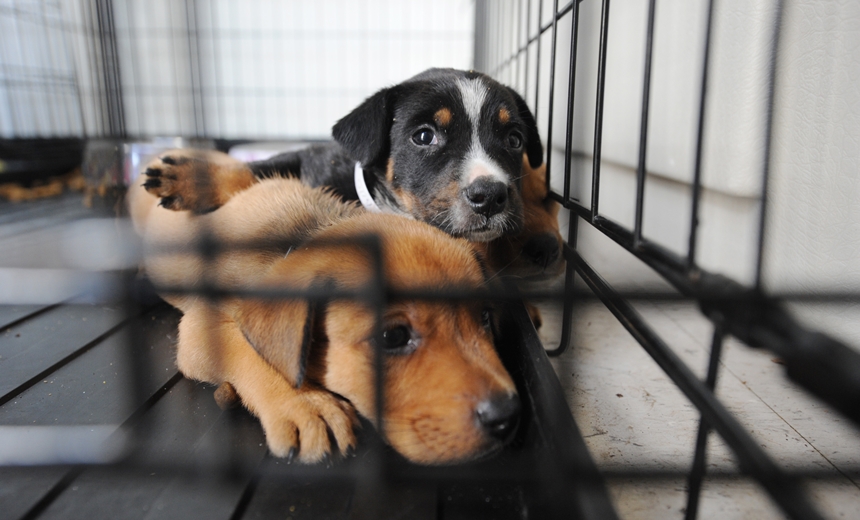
363 193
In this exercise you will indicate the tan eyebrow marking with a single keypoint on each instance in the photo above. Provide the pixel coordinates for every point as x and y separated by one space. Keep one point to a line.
443 116
504 115
389 171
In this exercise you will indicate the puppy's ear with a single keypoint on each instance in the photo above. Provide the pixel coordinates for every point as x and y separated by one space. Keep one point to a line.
282 332
366 131
534 148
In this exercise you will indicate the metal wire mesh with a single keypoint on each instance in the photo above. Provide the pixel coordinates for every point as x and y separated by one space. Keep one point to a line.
558 54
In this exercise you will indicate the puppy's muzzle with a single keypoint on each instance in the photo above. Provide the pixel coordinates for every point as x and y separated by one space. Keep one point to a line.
487 196
499 416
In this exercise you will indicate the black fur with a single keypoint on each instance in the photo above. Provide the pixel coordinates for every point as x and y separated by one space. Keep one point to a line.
428 182
317 165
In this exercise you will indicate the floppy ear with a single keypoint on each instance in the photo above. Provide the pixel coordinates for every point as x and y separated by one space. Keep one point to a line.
534 148
282 332
366 131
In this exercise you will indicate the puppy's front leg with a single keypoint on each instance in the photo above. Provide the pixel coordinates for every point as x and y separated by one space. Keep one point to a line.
296 420
196 180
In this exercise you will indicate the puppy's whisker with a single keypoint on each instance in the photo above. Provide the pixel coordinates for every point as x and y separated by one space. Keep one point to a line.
500 271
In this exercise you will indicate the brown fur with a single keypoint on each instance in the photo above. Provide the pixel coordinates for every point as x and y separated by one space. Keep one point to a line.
255 346
504 255
443 116
389 171
197 180
504 115
223 177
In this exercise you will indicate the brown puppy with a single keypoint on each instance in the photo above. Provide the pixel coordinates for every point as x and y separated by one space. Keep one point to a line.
306 368
204 180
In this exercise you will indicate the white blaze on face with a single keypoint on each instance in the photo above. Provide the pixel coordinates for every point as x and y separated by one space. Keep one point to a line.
478 163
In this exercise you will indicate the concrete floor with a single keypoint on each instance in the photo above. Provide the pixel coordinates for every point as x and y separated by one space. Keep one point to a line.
633 416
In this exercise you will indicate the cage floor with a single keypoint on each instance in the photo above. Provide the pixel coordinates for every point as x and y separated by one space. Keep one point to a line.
70 364
634 419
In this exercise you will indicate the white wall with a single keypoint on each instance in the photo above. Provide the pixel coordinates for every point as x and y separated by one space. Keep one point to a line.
38 94
280 69
734 125
264 69
812 234
813 238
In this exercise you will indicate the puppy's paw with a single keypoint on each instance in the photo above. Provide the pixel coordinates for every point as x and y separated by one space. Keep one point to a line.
304 426
195 180
172 178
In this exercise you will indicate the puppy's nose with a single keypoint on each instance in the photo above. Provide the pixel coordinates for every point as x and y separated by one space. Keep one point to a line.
487 196
499 415
542 250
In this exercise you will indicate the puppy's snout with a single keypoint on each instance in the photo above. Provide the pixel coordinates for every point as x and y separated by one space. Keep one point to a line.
542 249
487 196
499 415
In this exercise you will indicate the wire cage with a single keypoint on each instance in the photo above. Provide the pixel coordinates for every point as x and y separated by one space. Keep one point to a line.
663 138
647 109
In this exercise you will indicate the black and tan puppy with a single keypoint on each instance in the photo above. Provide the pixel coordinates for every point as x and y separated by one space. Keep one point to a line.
445 147
202 180
305 369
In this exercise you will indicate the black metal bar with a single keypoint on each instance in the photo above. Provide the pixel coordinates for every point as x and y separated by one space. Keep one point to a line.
376 298
551 106
98 91
110 68
496 36
498 27
822 365
216 66
516 55
697 473
569 293
504 39
77 83
643 128
768 140
525 47
541 29
822 474
571 91
134 53
483 32
192 34
170 31
55 97
537 66
513 42
7 83
786 491
700 132
598 116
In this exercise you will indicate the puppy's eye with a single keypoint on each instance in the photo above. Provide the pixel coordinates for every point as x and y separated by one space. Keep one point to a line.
425 137
397 338
515 140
